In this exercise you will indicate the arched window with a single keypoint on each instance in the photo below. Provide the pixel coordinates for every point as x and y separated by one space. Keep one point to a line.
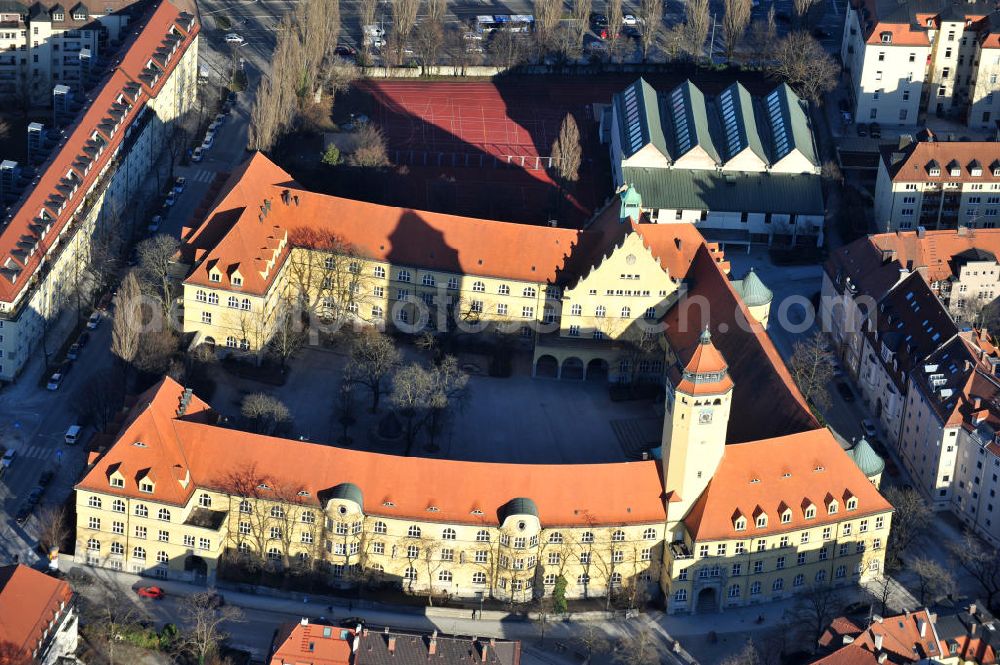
233 302
529 292
244 546
412 551
479 578
117 548
778 584
328 263
429 280
94 545
277 511
734 591
618 536
576 310
138 553
231 342
616 580
213 298
444 576
200 296
94 502
141 510
449 534
410 574
600 312
626 312
555 537
245 506
245 304
503 290
380 527
204 500
244 345
163 515
273 554
478 287
483 536
649 534
413 531
379 271
821 576
587 537
118 506
161 557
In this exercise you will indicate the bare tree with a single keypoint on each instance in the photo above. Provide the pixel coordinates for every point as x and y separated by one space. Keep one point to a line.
53 528
911 517
506 48
547 16
288 335
106 619
374 357
812 365
640 649
157 349
651 15
155 256
567 153
203 620
327 276
371 150
934 580
814 608
366 16
437 10
748 655
801 9
696 24
278 94
404 18
581 20
594 639
10 653
127 324
981 563
616 21
734 24
424 395
265 412
803 62
317 24
100 398
428 42
763 35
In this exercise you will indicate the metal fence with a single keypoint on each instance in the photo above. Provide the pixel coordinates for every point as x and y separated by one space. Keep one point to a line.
471 160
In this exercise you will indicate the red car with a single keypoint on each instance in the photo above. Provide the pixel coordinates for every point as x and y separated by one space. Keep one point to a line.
154 592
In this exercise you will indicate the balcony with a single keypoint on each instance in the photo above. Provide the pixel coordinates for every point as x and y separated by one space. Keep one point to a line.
680 550
204 518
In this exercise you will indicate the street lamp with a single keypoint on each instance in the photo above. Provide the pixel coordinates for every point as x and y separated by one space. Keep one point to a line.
482 597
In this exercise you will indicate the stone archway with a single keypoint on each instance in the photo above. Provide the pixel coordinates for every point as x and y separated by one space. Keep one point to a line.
209 342
198 566
547 367
597 370
572 368
706 601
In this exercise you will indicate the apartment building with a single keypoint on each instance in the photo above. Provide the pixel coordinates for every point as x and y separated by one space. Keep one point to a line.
44 44
888 301
86 189
938 185
741 168
38 620
907 60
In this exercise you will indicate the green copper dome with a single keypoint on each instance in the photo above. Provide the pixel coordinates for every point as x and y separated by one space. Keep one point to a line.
866 459
753 291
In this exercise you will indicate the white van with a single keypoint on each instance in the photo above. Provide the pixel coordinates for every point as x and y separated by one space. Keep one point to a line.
73 434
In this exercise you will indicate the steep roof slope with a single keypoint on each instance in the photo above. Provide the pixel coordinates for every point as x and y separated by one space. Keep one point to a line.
29 600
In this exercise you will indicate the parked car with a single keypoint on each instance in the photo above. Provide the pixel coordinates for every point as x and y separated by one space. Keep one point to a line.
179 184
233 38
170 200
209 140
152 592
24 513
845 391
875 130
598 21
94 321
8 458
352 622
629 19
861 129
83 338
868 425
346 52
220 118
74 351
197 155
154 223
54 381
231 97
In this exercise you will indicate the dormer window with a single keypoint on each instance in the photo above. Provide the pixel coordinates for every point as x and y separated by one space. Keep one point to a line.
930 23
237 280
741 523
215 276
886 37
976 169
146 485
58 16
117 481
79 15
204 500
852 503
933 169
832 507
954 170
762 520
811 512
786 517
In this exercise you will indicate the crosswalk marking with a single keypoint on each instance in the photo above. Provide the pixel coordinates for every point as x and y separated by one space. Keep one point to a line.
202 175
37 452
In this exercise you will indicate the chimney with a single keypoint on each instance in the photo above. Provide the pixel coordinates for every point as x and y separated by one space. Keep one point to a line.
977 401
877 638
432 647
922 627
972 609
921 231
486 652
877 618
364 632
355 644
304 621
882 657
906 611
972 629
392 646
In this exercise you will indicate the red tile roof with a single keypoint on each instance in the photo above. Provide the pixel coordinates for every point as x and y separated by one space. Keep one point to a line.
29 600
898 638
26 238
312 644
261 204
630 492
793 471
903 34
913 164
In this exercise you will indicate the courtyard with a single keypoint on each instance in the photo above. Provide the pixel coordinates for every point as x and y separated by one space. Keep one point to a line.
514 420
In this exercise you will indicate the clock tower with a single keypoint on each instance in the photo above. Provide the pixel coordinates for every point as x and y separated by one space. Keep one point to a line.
699 395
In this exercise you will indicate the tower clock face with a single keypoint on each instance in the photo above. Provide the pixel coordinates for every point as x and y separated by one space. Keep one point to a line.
705 416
